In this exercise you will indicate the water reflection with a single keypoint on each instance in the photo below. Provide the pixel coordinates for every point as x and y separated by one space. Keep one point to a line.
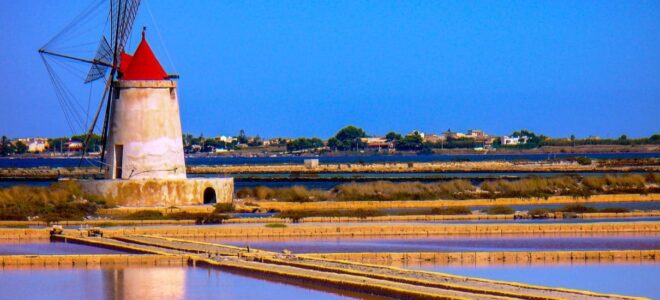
623 278
37 247
450 243
153 283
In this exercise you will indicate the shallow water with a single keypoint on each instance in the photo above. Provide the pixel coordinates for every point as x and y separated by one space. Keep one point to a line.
451 243
553 221
626 279
36 247
73 161
152 283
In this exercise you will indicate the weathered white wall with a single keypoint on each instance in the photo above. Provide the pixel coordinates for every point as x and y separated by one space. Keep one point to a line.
159 192
145 119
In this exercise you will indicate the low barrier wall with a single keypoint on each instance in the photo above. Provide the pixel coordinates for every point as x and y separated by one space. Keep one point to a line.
486 258
321 205
24 234
91 260
110 222
376 229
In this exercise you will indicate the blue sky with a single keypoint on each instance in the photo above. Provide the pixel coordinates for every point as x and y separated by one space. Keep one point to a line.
307 68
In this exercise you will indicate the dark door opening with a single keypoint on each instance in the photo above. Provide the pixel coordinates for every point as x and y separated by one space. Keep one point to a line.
119 157
209 196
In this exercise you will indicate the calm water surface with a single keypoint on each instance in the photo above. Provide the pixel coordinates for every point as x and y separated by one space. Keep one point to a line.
626 279
451 243
73 162
35 247
153 283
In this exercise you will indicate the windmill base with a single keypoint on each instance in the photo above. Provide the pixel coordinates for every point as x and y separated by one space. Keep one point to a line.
161 192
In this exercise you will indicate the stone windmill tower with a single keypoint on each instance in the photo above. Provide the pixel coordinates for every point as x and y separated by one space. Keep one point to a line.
144 137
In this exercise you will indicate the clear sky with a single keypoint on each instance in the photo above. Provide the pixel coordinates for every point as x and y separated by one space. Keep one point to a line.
307 68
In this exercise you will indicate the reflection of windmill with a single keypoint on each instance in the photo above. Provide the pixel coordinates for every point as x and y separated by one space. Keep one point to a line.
64 49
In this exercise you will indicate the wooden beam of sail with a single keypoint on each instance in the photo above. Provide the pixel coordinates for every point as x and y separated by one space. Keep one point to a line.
120 15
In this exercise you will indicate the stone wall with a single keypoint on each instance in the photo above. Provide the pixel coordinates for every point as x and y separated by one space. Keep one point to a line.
381 229
84 260
160 192
487 258
320 205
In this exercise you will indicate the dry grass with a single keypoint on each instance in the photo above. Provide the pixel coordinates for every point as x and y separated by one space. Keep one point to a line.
292 194
60 201
385 190
542 187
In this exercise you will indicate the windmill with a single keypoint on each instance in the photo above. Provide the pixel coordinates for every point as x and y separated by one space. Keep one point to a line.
142 149
64 49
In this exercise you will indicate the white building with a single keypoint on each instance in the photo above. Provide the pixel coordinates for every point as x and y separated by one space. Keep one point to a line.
513 140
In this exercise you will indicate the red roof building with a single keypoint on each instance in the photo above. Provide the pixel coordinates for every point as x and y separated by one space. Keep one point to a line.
143 65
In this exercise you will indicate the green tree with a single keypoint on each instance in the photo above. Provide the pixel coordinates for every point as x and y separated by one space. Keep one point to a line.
348 138
392 136
654 139
20 147
573 139
304 144
242 138
6 148
411 142
334 143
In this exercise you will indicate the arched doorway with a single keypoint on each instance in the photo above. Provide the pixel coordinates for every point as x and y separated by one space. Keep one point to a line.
209 196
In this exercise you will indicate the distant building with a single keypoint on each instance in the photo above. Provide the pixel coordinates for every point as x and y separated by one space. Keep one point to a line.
513 140
477 134
311 163
453 134
434 138
74 146
35 145
226 139
377 143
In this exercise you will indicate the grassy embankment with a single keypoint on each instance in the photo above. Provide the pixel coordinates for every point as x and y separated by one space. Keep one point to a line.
460 189
66 201
60 201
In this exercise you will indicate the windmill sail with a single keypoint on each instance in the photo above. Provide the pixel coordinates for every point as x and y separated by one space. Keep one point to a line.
103 54
62 51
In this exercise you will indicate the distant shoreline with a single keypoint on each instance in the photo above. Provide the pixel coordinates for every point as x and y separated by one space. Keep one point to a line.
276 152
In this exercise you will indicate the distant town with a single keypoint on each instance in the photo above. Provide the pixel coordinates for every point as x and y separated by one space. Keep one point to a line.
347 139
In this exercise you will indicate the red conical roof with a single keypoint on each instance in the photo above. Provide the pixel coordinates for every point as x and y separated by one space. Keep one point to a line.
143 65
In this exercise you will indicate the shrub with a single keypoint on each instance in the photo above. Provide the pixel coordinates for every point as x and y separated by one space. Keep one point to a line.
577 208
582 160
224 207
539 212
184 216
63 200
244 193
452 210
499 210
145 215
615 210
296 215
212 218
276 225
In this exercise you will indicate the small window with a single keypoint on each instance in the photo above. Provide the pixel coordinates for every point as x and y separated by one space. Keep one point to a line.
209 196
